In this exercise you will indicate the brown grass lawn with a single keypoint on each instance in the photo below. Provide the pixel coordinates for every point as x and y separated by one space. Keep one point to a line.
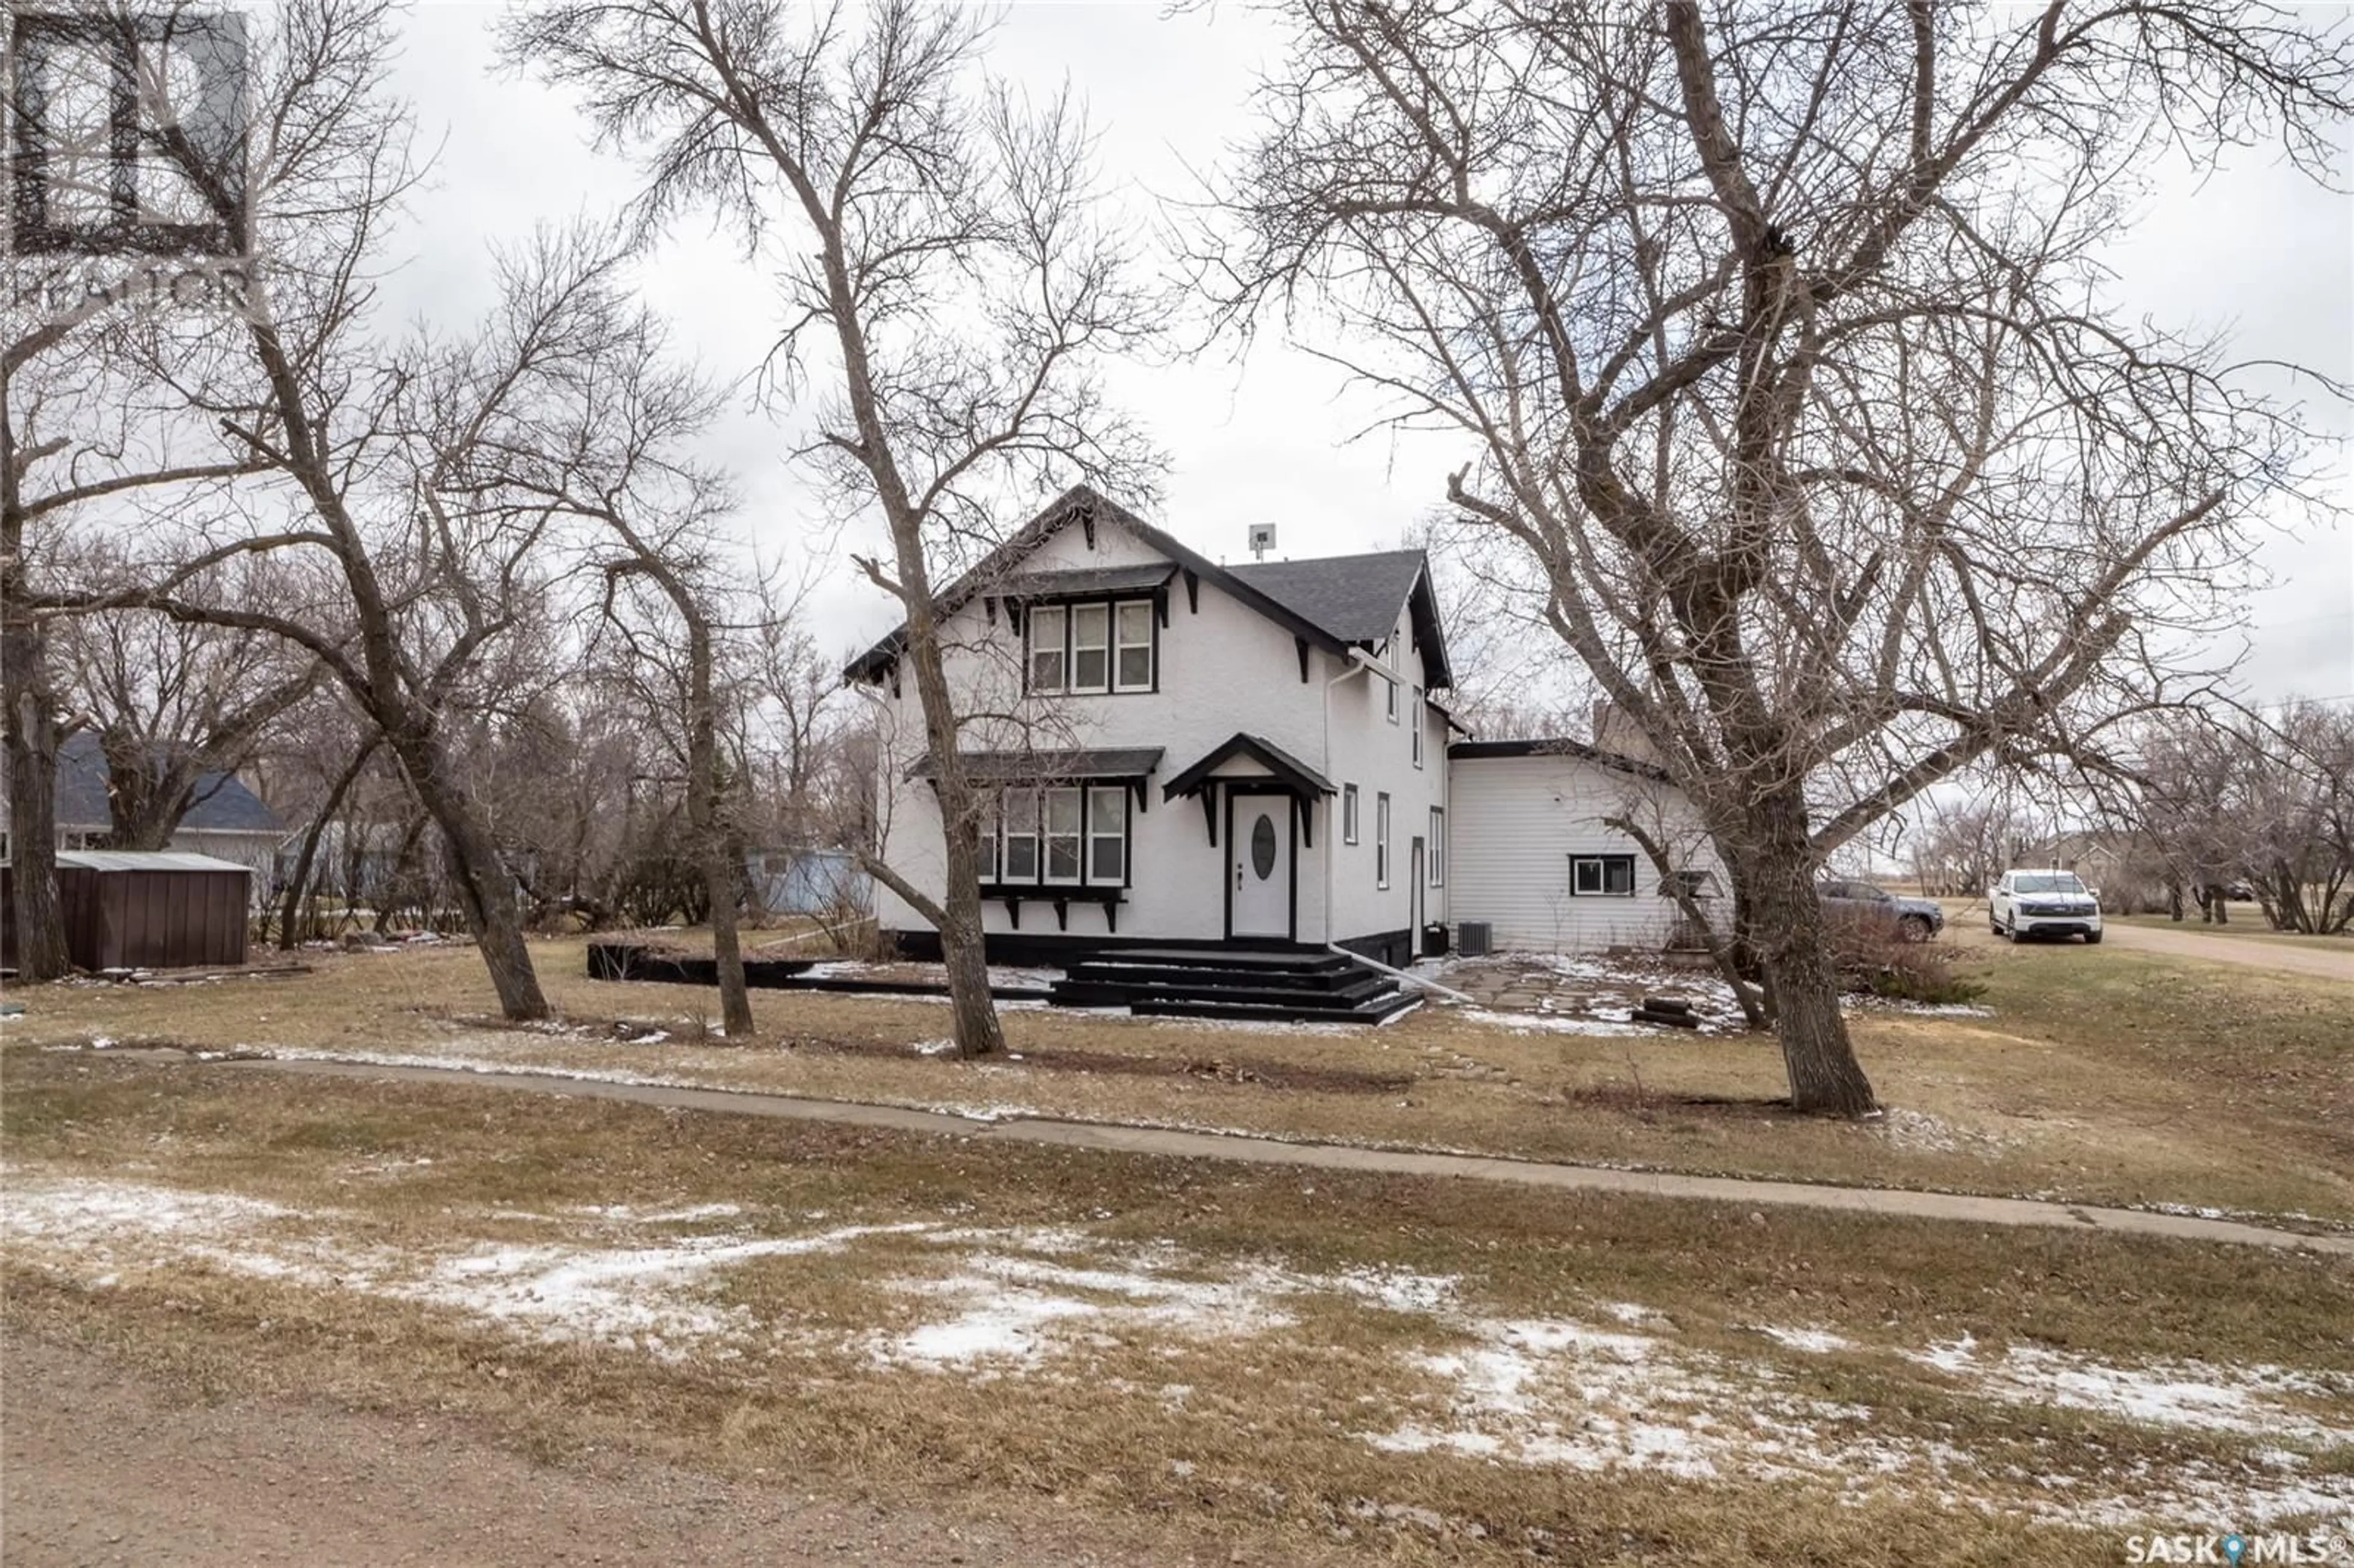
1287 1362
2246 920
2095 1074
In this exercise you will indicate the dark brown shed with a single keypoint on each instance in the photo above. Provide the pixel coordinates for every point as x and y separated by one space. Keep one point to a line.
143 910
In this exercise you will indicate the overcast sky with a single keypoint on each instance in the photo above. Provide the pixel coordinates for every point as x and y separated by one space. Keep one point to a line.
2257 248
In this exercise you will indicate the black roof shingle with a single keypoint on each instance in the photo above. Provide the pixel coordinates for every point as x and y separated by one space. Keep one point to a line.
219 805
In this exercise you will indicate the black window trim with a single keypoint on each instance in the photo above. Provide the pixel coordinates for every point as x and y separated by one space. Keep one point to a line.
1068 609
993 815
1604 859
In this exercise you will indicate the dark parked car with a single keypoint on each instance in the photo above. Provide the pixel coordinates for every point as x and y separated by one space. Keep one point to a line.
1914 919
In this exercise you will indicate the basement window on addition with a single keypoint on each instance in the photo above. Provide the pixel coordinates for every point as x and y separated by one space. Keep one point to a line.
1602 875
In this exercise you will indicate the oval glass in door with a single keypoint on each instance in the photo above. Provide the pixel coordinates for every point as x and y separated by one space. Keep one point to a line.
1263 847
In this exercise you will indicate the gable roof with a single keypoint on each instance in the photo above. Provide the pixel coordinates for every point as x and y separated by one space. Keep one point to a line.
219 804
1297 775
1357 598
1327 607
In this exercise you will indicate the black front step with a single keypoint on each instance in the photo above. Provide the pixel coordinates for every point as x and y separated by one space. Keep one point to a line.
1254 984
1370 1012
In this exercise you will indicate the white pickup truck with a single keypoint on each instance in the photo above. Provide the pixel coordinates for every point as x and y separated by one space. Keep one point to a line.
2029 904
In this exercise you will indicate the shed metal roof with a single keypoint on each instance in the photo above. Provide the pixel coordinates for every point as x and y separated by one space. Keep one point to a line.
147 859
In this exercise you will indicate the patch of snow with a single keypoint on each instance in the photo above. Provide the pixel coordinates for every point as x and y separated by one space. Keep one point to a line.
2164 1393
934 1047
982 1113
1553 1022
620 1294
1008 1303
1397 1289
1814 1341
37 1208
687 1215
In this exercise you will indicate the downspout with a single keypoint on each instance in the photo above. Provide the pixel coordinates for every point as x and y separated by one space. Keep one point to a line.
1360 663
1409 978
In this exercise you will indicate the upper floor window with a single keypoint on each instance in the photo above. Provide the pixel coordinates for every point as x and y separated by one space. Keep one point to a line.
1090 648
1347 813
1389 697
1049 648
1133 663
1381 838
1420 720
1437 866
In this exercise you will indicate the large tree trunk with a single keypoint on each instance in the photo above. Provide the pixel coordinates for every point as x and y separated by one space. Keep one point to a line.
31 718
963 946
722 868
39 920
1793 944
486 894
146 795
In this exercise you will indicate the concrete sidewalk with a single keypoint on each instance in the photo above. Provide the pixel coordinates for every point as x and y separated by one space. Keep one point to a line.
1166 1143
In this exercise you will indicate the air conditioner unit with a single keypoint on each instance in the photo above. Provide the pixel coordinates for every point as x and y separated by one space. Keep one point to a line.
1473 939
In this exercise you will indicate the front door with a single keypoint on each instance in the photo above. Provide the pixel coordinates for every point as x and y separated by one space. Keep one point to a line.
1258 845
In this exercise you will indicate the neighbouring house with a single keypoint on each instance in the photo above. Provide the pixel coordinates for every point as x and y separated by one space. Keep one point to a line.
1177 753
2123 868
225 819
806 882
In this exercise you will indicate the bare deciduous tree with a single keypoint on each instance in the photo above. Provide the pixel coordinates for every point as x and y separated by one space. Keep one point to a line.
935 242
1775 333
351 433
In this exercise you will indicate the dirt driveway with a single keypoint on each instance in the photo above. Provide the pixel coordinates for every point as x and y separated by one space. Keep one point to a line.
1965 925
101 1467
2249 952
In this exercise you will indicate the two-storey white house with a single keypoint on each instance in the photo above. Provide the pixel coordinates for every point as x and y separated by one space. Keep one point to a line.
1185 754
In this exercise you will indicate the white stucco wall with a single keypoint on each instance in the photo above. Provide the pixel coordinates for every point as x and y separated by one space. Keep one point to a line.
1224 668
1378 755
1519 821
